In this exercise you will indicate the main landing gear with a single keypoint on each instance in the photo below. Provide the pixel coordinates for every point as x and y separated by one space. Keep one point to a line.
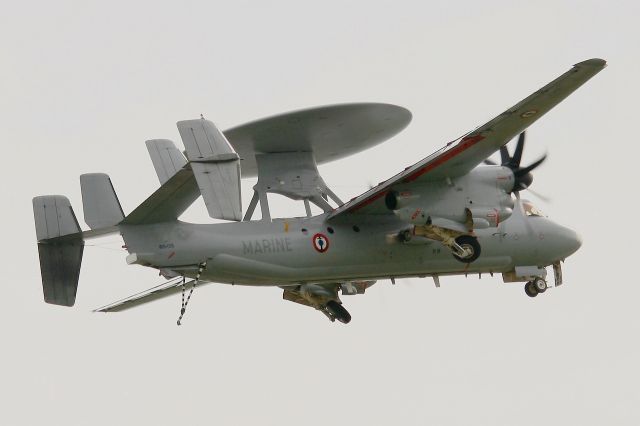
536 286
466 249
323 297
335 311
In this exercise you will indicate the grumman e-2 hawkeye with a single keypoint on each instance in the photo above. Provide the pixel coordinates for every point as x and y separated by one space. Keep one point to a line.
454 212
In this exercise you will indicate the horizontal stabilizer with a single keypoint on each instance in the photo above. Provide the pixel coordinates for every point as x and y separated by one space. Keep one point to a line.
100 202
216 168
158 292
60 248
166 158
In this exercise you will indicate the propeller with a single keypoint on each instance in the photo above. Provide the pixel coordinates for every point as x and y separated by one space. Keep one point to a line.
522 175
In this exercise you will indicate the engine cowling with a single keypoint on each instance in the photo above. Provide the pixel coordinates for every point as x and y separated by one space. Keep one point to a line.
481 218
477 200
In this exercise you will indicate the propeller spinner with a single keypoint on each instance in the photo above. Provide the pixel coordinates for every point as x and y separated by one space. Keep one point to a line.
522 175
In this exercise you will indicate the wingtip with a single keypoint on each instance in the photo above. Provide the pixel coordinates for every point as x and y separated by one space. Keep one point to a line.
594 62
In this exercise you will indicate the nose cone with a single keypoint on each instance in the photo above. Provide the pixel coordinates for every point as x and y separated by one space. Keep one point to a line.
565 242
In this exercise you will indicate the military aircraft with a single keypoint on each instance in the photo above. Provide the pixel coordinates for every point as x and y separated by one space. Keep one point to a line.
454 212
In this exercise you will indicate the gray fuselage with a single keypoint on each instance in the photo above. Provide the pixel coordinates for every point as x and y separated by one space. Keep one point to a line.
286 251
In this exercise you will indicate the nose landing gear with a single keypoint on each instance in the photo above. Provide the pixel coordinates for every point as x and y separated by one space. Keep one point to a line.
536 286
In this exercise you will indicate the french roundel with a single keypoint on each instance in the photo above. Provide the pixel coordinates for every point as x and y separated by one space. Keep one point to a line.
320 243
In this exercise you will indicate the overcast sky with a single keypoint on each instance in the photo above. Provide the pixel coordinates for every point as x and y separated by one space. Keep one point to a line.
84 84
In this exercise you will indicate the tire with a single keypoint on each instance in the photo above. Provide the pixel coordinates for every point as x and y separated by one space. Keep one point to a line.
339 312
530 289
540 285
405 236
467 241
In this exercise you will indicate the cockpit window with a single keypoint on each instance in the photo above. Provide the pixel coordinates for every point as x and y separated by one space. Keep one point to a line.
531 210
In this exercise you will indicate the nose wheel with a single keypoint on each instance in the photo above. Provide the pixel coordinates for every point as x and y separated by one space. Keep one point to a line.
535 287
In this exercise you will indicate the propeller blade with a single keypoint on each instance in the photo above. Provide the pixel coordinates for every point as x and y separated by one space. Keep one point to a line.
517 154
525 170
522 181
504 155
522 175
539 195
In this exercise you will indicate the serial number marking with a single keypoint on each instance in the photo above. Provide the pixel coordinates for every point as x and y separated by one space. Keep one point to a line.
273 245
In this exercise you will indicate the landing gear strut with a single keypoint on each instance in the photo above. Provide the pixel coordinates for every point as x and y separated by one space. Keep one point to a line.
535 287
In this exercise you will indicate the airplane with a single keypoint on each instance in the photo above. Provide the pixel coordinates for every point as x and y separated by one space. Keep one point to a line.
455 212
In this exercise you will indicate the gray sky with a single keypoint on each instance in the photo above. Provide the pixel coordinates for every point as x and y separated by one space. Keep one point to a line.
83 85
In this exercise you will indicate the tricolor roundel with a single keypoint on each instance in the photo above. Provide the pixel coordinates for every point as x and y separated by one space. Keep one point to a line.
320 243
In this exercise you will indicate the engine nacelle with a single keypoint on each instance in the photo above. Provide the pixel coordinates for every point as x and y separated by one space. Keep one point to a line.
477 200
482 218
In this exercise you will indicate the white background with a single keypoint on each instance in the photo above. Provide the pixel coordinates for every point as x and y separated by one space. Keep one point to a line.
84 84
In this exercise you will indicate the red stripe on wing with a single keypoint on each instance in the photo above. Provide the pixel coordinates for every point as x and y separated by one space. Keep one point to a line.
466 143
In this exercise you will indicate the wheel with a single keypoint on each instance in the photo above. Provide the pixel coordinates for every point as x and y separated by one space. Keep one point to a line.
530 289
469 243
540 285
338 311
405 236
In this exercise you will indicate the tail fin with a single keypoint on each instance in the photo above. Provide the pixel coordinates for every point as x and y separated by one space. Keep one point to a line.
99 201
216 167
166 158
60 258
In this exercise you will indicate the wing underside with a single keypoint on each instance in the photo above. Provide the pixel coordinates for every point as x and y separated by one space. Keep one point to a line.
459 157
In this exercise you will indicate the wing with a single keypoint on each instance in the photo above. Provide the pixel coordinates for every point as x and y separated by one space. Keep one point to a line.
457 159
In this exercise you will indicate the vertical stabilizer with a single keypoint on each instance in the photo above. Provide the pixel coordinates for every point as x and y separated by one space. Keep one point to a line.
60 247
54 217
100 202
166 158
216 167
